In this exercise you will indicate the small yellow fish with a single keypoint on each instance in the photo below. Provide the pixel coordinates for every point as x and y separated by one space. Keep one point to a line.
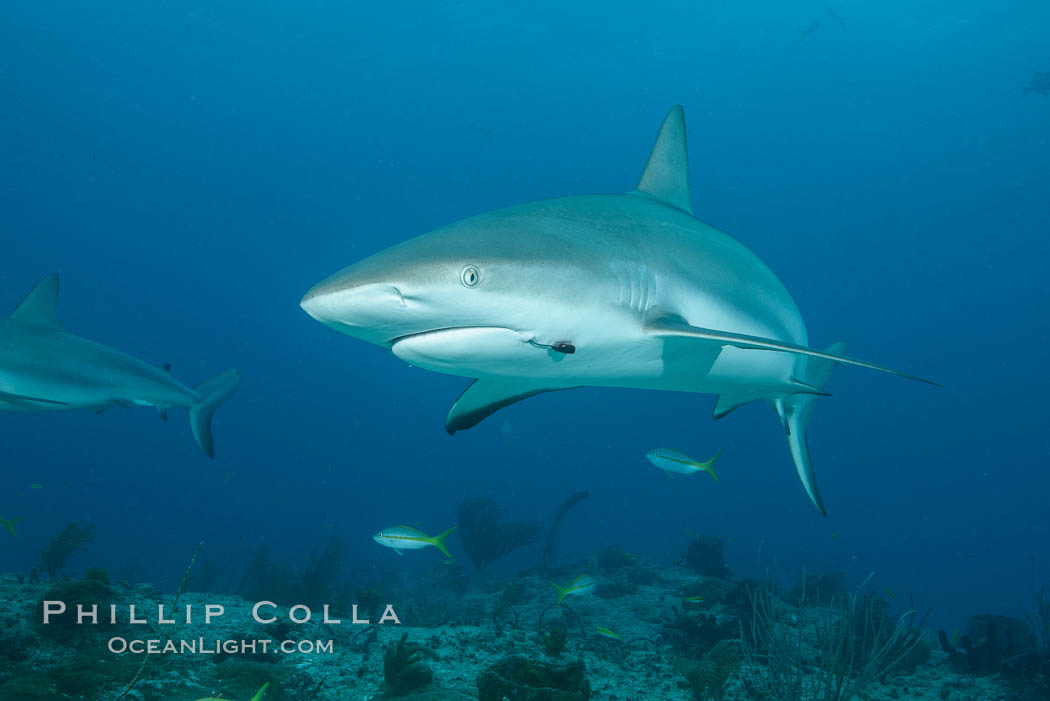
228 476
630 556
407 538
834 535
955 635
9 524
609 634
889 593
672 462
693 598
584 584
35 485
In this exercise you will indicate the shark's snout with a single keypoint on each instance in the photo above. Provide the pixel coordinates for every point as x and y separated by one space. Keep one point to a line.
353 305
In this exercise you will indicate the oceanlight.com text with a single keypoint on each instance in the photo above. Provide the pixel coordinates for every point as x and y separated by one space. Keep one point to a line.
202 646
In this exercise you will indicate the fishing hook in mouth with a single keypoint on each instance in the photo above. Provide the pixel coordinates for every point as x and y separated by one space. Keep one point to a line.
558 346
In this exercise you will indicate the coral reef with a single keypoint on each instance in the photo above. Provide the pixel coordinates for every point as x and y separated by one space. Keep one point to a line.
693 633
404 665
612 560
485 535
706 555
820 589
669 634
988 643
708 678
318 583
93 590
55 557
854 644
554 638
522 679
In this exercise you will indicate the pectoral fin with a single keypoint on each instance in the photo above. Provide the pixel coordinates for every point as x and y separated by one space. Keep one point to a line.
674 327
23 400
486 396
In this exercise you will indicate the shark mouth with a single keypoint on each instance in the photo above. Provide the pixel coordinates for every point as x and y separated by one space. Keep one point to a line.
473 351
453 332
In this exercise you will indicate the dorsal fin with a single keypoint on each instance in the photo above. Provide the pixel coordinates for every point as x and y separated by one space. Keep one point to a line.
40 306
666 175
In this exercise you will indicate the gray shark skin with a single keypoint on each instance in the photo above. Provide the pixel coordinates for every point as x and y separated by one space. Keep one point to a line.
619 290
43 367
1040 83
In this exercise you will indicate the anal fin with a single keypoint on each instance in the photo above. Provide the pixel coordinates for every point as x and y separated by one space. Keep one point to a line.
485 396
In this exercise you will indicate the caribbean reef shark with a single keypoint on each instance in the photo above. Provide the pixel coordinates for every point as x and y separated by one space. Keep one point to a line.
43 367
618 290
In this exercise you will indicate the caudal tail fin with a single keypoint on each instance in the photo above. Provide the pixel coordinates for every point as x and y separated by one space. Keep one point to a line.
795 412
213 392
439 542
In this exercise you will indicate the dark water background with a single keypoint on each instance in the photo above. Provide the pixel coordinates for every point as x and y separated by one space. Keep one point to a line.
192 168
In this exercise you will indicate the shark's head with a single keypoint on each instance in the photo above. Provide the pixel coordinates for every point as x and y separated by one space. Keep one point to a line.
509 293
467 299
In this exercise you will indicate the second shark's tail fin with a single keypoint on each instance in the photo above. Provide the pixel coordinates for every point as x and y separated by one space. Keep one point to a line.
795 412
213 392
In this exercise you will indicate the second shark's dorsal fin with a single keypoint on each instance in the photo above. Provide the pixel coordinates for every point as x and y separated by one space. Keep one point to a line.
666 175
40 306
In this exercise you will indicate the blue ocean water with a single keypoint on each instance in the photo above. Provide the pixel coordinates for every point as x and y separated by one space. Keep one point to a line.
191 169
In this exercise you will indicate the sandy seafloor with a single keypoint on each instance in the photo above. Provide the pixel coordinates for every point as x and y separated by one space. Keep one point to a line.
40 663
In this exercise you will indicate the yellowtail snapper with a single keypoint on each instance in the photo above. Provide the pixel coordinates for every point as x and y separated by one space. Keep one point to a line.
584 584
407 538
672 462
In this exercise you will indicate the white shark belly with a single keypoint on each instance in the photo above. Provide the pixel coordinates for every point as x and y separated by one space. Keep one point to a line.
637 362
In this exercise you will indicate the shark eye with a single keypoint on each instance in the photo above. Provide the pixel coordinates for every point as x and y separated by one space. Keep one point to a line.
470 276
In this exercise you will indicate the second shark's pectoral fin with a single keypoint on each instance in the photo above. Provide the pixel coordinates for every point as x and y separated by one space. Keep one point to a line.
675 327
23 400
486 396
40 306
